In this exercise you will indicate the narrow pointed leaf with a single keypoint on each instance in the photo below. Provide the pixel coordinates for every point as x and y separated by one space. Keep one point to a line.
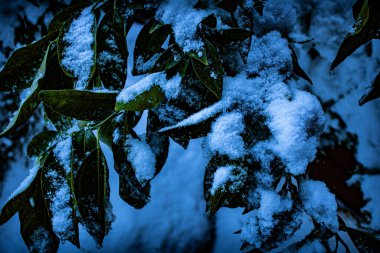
373 93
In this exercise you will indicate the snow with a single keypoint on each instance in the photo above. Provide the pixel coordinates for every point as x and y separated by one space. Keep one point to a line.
319 203
172 87
228 178
27 181
78 56
60 207
142 158
296 126
184 20
225 137
258 224
62 152
312 247
129 93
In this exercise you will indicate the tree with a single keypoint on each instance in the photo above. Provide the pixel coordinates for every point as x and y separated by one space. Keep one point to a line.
202 77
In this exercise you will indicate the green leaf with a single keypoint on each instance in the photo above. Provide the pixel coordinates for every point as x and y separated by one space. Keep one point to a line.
130 189
373 93
22 67
58 21
297 68
112 53
41 142
366 28
148 46
55 180
82 105
84 142
63 46
365 242
93 194
144 101
211 75
30 103
200 56
170 58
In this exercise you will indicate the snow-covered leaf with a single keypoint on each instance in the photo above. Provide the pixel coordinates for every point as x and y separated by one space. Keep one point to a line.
22 67
148 99
58 194
77 47
82 105
112 52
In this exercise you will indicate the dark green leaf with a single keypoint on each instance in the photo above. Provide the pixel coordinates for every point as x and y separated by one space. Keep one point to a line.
41 142
22 67
144 101
112 53
373 93
93 194
170 58
82 105
366 28
84 142
148 46
212 74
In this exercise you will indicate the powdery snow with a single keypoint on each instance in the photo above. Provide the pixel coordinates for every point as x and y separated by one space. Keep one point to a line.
319 203
78 56
225 137
142 159
62 152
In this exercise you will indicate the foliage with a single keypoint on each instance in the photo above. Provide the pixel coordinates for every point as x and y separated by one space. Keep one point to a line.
69 182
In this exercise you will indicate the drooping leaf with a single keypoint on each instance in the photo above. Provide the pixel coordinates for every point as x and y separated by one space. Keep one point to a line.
30 103
41 142
64 46
112 53
59 198
297 68
148 46
130 189
144 101
373 93
365 242
82 105
22 67
366 28
57 22
93 194
212 74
